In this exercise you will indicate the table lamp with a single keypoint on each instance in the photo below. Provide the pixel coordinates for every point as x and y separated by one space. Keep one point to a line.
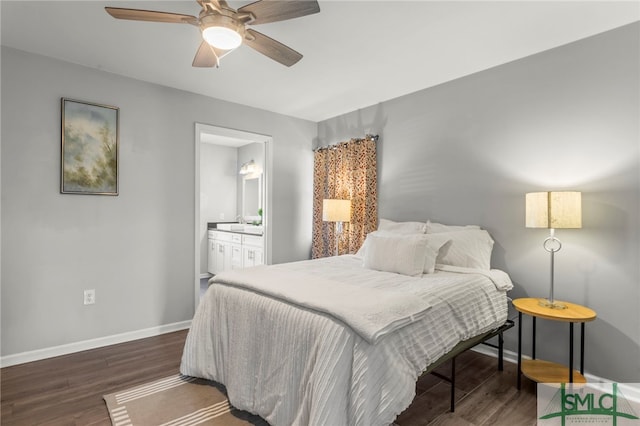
337 211
553 210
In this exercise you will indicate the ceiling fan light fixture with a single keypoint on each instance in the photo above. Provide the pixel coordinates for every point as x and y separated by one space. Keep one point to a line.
222 37
223 28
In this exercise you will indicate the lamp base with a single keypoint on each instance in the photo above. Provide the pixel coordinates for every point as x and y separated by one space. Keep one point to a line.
551 305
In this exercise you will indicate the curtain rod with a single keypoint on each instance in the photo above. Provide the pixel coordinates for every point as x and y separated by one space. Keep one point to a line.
335 145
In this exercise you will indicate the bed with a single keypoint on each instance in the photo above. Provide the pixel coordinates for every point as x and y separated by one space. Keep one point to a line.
342 340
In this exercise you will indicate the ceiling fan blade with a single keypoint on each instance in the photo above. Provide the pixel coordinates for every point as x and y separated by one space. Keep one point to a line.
271 48
266 11
205 57
151 16
213 4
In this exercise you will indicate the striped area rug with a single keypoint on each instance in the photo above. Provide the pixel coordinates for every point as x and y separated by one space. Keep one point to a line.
176 401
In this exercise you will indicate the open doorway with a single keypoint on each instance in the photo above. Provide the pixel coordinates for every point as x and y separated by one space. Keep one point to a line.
231 174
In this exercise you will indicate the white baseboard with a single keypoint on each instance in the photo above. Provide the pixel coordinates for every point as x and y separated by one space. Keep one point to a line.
84 345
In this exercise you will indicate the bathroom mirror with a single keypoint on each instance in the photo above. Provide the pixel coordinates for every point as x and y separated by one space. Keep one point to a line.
251 197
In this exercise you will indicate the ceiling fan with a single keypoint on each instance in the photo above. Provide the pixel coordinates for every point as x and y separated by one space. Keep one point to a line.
224 28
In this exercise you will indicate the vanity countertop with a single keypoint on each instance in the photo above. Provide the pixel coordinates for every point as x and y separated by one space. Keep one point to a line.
214 225
235 227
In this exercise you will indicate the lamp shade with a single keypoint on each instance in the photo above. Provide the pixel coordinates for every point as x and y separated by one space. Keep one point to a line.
562 209
336 210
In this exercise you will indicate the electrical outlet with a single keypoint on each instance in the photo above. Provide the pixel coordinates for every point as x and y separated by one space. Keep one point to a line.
221 216
89 297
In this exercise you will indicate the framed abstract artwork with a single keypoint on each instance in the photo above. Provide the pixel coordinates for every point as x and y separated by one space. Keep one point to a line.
89 148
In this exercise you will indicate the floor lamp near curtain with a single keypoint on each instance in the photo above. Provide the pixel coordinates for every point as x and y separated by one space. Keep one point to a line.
337 211
553 210
347 170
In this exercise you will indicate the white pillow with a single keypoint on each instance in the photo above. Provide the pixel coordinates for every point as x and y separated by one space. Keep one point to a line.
469 248
401 227
434 227
398 228
363 248
360 252
402 254
434 243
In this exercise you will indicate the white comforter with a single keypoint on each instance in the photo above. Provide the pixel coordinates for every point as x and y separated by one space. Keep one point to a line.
297 365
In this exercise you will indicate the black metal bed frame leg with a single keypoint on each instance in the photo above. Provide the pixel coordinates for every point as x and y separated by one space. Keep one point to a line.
453 384
497 332
500 352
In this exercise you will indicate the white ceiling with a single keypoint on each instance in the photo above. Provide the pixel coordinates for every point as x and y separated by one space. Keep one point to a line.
356 53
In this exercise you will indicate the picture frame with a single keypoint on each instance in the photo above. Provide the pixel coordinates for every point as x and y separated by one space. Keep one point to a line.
89 148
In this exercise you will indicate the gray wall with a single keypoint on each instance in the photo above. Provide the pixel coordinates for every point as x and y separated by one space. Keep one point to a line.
467 151
136 249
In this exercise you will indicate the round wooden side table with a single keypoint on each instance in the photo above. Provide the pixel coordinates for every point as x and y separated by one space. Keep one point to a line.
544 371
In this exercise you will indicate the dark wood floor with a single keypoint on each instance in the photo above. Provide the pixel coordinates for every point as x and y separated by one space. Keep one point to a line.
68 390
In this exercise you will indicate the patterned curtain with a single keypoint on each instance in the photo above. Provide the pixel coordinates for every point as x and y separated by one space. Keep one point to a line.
345 171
